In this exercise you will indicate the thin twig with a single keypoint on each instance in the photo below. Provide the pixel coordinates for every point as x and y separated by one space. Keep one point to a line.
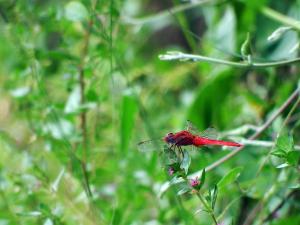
258 132
261 143
83 124
260 204
279 206
244 64
166 13
279 132
295 24
82 88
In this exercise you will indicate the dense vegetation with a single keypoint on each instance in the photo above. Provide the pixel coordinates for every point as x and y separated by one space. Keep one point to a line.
82 82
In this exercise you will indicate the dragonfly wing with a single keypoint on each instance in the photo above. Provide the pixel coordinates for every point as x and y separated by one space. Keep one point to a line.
191 128
210 133
150 146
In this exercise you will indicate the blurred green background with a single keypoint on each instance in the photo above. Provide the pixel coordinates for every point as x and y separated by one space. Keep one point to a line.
81 84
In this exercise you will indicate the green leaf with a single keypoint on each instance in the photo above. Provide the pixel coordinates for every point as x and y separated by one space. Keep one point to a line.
201 210
169 156
296 186
278 33
283 165
186 161
214 195
279 153
207 102
245 49
224 33
74 99
184 190
128 113
293 157
76 11
285 143
230 177
202 179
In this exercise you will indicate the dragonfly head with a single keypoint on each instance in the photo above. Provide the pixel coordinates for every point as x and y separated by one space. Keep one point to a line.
169 138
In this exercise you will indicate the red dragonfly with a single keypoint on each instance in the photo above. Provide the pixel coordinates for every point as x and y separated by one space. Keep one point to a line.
189 137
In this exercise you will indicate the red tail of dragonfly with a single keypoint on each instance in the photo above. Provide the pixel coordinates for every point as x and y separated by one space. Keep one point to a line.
188 138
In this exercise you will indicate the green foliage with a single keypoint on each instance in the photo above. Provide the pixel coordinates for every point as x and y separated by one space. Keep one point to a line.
128 113
230 177
285 149
186 161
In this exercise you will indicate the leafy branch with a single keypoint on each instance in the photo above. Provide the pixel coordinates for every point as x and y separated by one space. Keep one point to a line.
258 132
83 114
177 163
292 97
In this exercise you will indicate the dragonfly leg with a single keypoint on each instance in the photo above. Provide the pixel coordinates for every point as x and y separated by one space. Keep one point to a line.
181 152
173 147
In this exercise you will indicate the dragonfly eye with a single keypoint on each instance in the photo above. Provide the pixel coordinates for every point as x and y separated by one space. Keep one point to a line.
170 138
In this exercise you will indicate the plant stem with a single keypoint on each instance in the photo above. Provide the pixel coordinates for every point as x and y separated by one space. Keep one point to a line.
262 143
295 24
279 206
243 64
259 131
82 89
204 203
207 207
82 116
279 132
165 13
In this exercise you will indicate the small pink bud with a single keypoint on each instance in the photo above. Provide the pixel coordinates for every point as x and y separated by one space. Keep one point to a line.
194 182
171 171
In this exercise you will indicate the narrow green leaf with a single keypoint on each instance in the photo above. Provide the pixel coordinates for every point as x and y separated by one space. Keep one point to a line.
230 177
201 210
278 33
183 190
128 113
279 153
283 165
202 179
214 196
56 183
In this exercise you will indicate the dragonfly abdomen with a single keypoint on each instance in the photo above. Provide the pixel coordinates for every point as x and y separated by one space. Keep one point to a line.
200 141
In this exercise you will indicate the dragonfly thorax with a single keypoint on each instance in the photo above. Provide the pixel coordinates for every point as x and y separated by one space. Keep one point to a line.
180 138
